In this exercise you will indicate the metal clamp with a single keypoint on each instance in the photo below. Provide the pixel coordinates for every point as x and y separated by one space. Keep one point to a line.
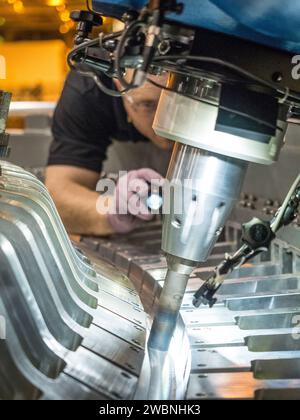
257 237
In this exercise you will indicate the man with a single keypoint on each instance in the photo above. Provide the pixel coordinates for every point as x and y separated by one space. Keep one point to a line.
94 132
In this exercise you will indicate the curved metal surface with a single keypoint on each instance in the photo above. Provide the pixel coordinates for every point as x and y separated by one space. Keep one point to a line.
29 185
57 335
246 346
61 345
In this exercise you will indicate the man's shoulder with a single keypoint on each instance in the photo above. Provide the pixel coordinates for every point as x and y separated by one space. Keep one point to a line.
85 85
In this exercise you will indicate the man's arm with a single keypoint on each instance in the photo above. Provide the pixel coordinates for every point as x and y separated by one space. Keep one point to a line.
73 191
81 129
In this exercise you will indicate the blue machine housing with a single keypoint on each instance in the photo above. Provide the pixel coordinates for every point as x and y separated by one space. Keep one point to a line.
274 23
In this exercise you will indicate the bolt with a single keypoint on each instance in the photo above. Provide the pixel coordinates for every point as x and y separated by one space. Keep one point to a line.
252 197
266 210
164 47
269 202
250 205
130 16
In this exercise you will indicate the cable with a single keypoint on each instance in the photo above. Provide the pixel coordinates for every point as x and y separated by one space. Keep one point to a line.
128 86
101 85
88 6
286 93
90 43
90 74
118 54
231 66
233 111
78 48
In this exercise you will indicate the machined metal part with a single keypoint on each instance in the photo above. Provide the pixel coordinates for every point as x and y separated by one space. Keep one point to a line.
188 113
165 320
247 345
54 328
59 347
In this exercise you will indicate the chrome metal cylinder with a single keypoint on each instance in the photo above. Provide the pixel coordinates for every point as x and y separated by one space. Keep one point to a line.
203 190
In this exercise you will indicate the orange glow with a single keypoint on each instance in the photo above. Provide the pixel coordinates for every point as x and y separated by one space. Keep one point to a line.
55 3
18 6
65 16
44 71
61 8
64 28
70 24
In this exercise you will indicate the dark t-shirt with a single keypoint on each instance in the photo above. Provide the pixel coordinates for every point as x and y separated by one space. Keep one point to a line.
85 122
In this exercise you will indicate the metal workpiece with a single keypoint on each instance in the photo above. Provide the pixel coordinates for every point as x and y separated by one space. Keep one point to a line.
240 386
170 301
165 374
61 345
164 363
30 191
246 345
55 331
41 228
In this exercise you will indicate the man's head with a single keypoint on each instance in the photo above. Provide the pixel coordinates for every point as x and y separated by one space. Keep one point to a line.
140 105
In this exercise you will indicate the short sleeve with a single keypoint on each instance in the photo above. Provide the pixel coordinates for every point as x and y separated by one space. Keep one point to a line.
82 125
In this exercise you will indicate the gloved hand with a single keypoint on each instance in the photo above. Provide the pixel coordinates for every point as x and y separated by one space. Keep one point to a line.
128 208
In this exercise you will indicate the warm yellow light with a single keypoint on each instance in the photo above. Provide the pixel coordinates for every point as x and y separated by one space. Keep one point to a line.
64 16
45 68
55 3
11 1
61 8
2 21
18 6
64 28
70 24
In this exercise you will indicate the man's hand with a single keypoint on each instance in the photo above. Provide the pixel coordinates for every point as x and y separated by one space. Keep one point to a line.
74 192
128 208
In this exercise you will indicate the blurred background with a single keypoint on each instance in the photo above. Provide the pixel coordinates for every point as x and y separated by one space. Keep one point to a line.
34 38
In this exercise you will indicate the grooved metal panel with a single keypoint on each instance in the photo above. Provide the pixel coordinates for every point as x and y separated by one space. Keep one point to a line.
248 345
